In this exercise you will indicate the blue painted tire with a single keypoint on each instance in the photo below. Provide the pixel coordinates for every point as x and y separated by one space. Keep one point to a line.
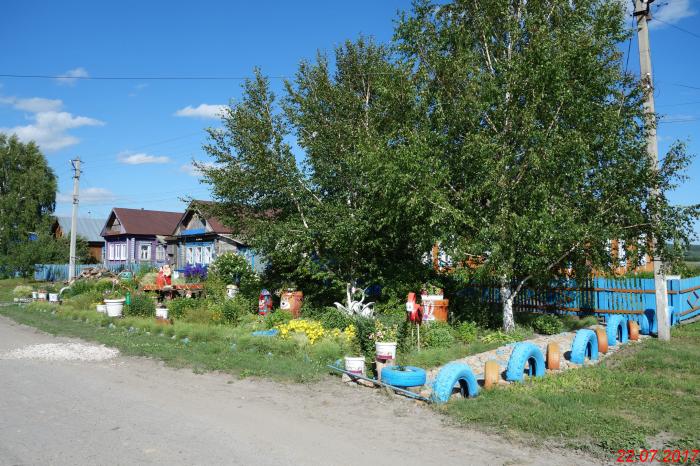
675 316
585 345
616 325
266 333
403 376
450 375
525 353
644 324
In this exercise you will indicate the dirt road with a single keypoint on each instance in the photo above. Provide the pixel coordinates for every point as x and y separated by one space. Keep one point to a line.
136 411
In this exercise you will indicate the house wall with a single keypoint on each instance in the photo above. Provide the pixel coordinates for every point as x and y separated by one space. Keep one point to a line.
133 250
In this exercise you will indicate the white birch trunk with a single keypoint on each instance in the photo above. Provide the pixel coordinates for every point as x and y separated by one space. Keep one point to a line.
507 298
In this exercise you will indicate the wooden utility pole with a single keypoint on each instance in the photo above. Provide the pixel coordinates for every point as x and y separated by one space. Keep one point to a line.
74 219
643 14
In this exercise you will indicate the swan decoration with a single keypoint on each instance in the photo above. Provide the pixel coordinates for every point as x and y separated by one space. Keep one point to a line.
354 307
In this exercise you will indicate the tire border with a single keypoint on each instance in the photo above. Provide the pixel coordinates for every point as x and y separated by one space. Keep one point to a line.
522 353
448 377
583 338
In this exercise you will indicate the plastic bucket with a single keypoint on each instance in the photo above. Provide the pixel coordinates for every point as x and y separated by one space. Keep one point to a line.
355 365
53 297
162 313
114 307
435 310
41 296
102 308
385 350
35 295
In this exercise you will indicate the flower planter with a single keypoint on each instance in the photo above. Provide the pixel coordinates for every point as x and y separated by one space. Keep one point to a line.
162 313
435 310
385 349
114 307
35 295
291 301
355 365
101 308
53 297
41 296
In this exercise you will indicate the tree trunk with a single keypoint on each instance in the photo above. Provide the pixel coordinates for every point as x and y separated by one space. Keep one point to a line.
507 298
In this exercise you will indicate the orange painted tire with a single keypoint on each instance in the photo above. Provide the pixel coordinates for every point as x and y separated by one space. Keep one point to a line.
633 330
602 340
553 355
492 374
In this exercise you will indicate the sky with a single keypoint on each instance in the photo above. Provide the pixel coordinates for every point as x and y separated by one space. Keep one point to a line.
137 137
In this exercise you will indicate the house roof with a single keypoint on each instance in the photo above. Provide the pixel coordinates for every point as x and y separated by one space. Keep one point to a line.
146 222
88 228
214 223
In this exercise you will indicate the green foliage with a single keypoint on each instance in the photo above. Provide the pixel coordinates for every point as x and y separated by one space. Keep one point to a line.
467 332
141 305
437 335
277 317
234 269
236 309
22 291
178 307
548 324
499 337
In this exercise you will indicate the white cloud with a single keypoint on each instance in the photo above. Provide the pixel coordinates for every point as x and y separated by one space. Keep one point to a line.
71 76
49 129
141 158
33 104
201 111
192 170
88 196
672 12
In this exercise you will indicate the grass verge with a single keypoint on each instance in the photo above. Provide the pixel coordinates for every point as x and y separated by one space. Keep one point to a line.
645 396
202 347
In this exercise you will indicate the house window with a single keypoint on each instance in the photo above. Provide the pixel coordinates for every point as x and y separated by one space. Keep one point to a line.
160 253
206 255
116 252
145 252
122 252
189 255
198 255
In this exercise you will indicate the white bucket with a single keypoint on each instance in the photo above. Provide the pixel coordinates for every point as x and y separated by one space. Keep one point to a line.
53 297
355 365
102 308
41 296
385 350
162 313
35 295
114 307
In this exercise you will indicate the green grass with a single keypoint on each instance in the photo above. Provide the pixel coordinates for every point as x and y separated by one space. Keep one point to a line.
646 395
201 347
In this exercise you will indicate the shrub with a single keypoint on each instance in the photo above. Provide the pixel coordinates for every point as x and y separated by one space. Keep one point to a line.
276 318
437 335
233 269
141 305
22 291
498 337
201 314
547 324
179 306
235 309
195 273
467 332
332 317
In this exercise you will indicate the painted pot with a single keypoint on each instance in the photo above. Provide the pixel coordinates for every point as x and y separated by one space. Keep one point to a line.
162 313
53 297
115 307
35 295
292 301
385 349
435 310
355 365
41 296
101 308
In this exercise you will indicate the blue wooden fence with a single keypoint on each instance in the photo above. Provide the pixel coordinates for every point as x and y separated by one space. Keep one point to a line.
631 297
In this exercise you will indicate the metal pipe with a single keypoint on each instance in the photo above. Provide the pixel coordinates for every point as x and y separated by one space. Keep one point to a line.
408 393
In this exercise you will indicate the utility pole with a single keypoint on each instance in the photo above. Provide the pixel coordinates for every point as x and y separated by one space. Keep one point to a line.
643 14
74 219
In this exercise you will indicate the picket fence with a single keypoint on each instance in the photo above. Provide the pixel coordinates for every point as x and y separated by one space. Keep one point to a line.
597 295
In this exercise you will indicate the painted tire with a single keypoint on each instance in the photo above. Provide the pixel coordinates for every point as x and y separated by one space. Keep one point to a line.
525 353
553 356
403 376
585 345
615 326
644 325
675 317
602 337
492 373
450 375
633 329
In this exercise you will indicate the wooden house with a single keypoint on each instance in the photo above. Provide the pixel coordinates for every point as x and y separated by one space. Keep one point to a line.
88 229
198 238
138 236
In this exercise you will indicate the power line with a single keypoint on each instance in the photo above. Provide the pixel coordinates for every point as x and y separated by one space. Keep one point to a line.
137 78
677 27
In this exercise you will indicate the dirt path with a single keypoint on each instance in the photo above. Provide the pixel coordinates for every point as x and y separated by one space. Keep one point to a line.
136 411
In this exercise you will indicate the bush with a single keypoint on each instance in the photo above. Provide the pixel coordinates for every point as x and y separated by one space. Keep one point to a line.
498 337
278 317
233 310
437 335
179 306
547 324
201 314
141 305
22 291
233 269
467 332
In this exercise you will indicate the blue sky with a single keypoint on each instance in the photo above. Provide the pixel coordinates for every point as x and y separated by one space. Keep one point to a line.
137 138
